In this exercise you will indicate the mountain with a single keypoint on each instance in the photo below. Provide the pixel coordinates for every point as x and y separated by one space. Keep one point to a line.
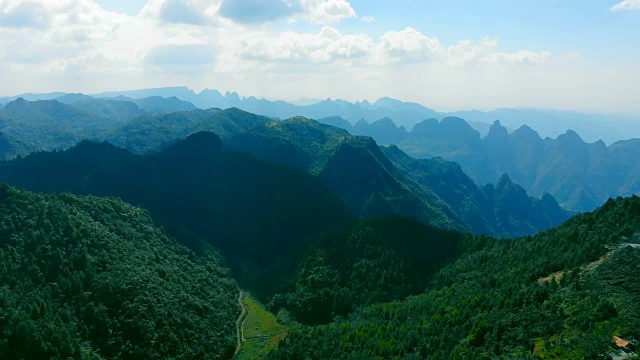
158 105
72 98
549 123
248 208
384 131
580 175
90 277
564 293
502 209
151 134
33 97
452 139
118 111
51 113
403 113
376 181
180 92
552 123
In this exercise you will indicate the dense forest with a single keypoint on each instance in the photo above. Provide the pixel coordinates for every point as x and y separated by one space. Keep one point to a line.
563 293
95 278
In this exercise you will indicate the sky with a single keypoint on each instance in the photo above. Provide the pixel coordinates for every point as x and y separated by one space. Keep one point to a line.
447 55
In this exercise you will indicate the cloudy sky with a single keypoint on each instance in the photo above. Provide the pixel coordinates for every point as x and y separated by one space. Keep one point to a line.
446 54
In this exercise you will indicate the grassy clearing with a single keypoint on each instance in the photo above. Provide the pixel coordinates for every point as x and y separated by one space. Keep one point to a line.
260 330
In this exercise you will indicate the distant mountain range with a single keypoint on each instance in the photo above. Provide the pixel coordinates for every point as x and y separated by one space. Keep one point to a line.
580 175
548 123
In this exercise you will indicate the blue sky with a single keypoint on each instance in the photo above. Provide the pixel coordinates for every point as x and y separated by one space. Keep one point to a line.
449 55
554 25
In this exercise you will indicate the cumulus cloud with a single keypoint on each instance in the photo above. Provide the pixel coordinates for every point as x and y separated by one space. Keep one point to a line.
248 12
327 12
484 52
325 46
466 52
23 14
408 45
626 5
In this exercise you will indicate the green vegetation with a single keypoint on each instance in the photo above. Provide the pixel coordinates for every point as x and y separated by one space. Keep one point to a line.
376 181
248 208
362 264
489 303
261 331
92 278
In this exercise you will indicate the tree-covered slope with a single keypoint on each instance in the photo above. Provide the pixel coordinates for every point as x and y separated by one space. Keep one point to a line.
363 263
118 111
563 293
249 208
152 134
95 278
51 113
378 181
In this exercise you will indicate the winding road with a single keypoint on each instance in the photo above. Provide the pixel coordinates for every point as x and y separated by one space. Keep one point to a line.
240 322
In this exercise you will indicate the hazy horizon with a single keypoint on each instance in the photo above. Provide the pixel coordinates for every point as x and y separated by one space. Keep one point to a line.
450 56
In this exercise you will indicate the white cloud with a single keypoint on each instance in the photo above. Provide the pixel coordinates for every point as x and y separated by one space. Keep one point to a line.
626 5
210 12
408 45
325 46
327 12
522 57
23 14
467 54
368 19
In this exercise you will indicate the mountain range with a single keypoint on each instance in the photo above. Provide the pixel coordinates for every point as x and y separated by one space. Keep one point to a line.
353 169
580 175
555 166
549 123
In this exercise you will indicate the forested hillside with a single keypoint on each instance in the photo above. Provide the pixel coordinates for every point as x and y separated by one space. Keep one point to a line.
563 293
249 208
95 278
378 181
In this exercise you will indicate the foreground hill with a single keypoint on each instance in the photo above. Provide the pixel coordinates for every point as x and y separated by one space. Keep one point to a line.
563 293
377 181
95 278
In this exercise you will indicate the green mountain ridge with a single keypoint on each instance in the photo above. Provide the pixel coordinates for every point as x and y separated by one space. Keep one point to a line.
377 181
